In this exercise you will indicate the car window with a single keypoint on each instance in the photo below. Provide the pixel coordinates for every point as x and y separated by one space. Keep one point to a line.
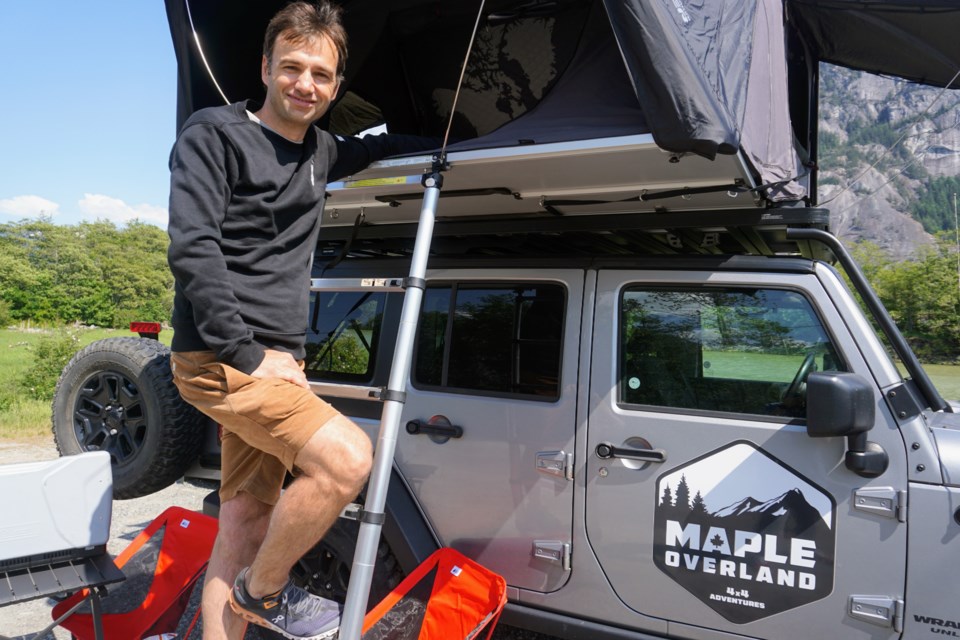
736 350
342 335
492 339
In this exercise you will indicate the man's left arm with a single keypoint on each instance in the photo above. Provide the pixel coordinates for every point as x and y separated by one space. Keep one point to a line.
356 154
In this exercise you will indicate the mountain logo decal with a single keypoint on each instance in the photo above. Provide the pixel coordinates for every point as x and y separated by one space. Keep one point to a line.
744 533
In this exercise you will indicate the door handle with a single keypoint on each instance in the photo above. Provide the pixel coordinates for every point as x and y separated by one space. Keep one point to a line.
435 426
606 451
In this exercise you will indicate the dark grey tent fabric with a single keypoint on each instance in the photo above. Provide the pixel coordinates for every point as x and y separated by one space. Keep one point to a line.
918 40
689 62
592 99
406 58
765 121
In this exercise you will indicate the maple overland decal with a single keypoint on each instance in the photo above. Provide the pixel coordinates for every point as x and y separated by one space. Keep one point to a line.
744 533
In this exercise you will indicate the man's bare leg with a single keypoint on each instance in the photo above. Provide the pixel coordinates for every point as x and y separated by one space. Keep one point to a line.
334 464
243 524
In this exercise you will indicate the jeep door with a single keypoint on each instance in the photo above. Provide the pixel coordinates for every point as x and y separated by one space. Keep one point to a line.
496 355
708 505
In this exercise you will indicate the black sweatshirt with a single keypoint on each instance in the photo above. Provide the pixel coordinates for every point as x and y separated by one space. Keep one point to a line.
245 211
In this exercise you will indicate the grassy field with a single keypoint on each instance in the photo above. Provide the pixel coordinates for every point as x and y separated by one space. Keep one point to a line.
21 417
946 378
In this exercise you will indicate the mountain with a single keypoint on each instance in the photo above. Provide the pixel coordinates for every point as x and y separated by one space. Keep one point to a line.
788 513
889 159
737 508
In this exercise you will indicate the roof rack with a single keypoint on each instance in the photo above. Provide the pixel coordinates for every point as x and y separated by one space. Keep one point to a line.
729 232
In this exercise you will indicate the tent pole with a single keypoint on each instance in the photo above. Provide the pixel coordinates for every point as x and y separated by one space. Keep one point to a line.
372 515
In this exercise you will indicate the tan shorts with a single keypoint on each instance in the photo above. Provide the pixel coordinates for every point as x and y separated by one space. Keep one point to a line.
265 421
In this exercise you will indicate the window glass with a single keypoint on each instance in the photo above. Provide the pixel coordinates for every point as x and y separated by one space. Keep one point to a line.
343 334
492 338
737 350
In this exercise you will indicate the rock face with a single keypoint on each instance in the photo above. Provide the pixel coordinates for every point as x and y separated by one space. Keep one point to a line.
881 141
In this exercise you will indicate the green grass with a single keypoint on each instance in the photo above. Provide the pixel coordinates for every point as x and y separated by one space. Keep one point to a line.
761 366
945 377
22 417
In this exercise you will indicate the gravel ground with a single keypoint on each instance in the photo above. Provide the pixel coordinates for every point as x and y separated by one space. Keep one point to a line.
23 621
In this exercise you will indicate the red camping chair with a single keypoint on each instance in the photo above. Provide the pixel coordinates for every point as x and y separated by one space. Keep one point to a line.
448 597
167 558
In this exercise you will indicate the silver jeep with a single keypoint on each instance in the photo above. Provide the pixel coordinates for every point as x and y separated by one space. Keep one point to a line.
641 390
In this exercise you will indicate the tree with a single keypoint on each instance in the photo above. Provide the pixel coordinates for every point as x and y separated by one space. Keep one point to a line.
92 273
134 265
922 296
667 499
698 505
683 494
934 205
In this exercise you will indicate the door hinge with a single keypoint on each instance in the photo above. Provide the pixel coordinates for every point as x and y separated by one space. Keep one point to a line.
553 551
879 610
882 501
555 463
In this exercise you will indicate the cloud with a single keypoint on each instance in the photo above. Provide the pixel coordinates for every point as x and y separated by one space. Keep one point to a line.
28 207
103 207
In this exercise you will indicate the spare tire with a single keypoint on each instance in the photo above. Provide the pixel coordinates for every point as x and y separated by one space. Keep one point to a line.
117 395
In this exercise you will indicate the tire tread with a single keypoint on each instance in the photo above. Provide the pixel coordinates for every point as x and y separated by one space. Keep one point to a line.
181 426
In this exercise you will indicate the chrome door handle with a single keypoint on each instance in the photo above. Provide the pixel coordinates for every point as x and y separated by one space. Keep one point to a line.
606 451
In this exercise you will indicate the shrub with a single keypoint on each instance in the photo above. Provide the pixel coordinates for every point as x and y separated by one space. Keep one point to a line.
50 357
7 399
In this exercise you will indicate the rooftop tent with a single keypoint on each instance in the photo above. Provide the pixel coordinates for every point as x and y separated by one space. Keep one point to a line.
912 39
612 98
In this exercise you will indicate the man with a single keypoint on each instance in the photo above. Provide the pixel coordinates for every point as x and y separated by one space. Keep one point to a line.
247 186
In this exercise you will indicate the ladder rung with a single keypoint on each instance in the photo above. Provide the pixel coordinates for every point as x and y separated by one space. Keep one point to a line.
356 284
346 391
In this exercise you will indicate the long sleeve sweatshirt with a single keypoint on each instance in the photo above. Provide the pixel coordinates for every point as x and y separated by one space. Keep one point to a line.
245 211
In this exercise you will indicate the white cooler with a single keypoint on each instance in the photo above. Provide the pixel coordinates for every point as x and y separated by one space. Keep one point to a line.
55 509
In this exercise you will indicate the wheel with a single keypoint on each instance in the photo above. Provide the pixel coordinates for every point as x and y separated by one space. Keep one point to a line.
117 395
325 569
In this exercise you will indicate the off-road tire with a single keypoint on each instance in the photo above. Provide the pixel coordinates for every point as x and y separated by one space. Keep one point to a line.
118 395
325 569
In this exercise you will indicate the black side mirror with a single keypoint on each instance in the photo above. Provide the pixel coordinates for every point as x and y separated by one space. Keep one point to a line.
842 404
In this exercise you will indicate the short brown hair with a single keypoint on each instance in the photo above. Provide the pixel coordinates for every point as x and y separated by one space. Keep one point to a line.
300 22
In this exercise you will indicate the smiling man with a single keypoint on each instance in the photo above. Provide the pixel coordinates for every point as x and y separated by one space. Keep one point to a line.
246 195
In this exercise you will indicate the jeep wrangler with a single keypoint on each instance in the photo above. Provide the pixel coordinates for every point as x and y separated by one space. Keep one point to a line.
641 390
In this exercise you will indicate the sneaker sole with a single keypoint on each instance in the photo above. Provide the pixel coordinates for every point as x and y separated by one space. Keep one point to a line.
266 624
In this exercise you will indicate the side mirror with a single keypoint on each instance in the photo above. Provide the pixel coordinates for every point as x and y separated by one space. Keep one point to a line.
838 404
842 404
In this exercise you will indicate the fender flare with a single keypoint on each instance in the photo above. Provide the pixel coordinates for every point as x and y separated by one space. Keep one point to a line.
406 529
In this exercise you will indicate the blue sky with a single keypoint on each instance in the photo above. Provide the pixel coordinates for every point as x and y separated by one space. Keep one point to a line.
88 113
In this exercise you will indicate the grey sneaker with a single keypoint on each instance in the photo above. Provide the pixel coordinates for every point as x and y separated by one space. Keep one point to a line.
292 612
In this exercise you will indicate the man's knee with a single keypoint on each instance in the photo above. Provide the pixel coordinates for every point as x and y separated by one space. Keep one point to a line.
341 451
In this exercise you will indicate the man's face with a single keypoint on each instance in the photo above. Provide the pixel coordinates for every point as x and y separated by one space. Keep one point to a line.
301 83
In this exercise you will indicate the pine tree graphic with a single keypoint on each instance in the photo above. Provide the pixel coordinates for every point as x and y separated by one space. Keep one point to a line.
698 505
683 494
667 499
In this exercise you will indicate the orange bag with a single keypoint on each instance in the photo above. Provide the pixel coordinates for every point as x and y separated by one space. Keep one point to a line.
448 597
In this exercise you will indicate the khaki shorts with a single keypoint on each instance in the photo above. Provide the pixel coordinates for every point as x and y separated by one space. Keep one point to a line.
265 421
